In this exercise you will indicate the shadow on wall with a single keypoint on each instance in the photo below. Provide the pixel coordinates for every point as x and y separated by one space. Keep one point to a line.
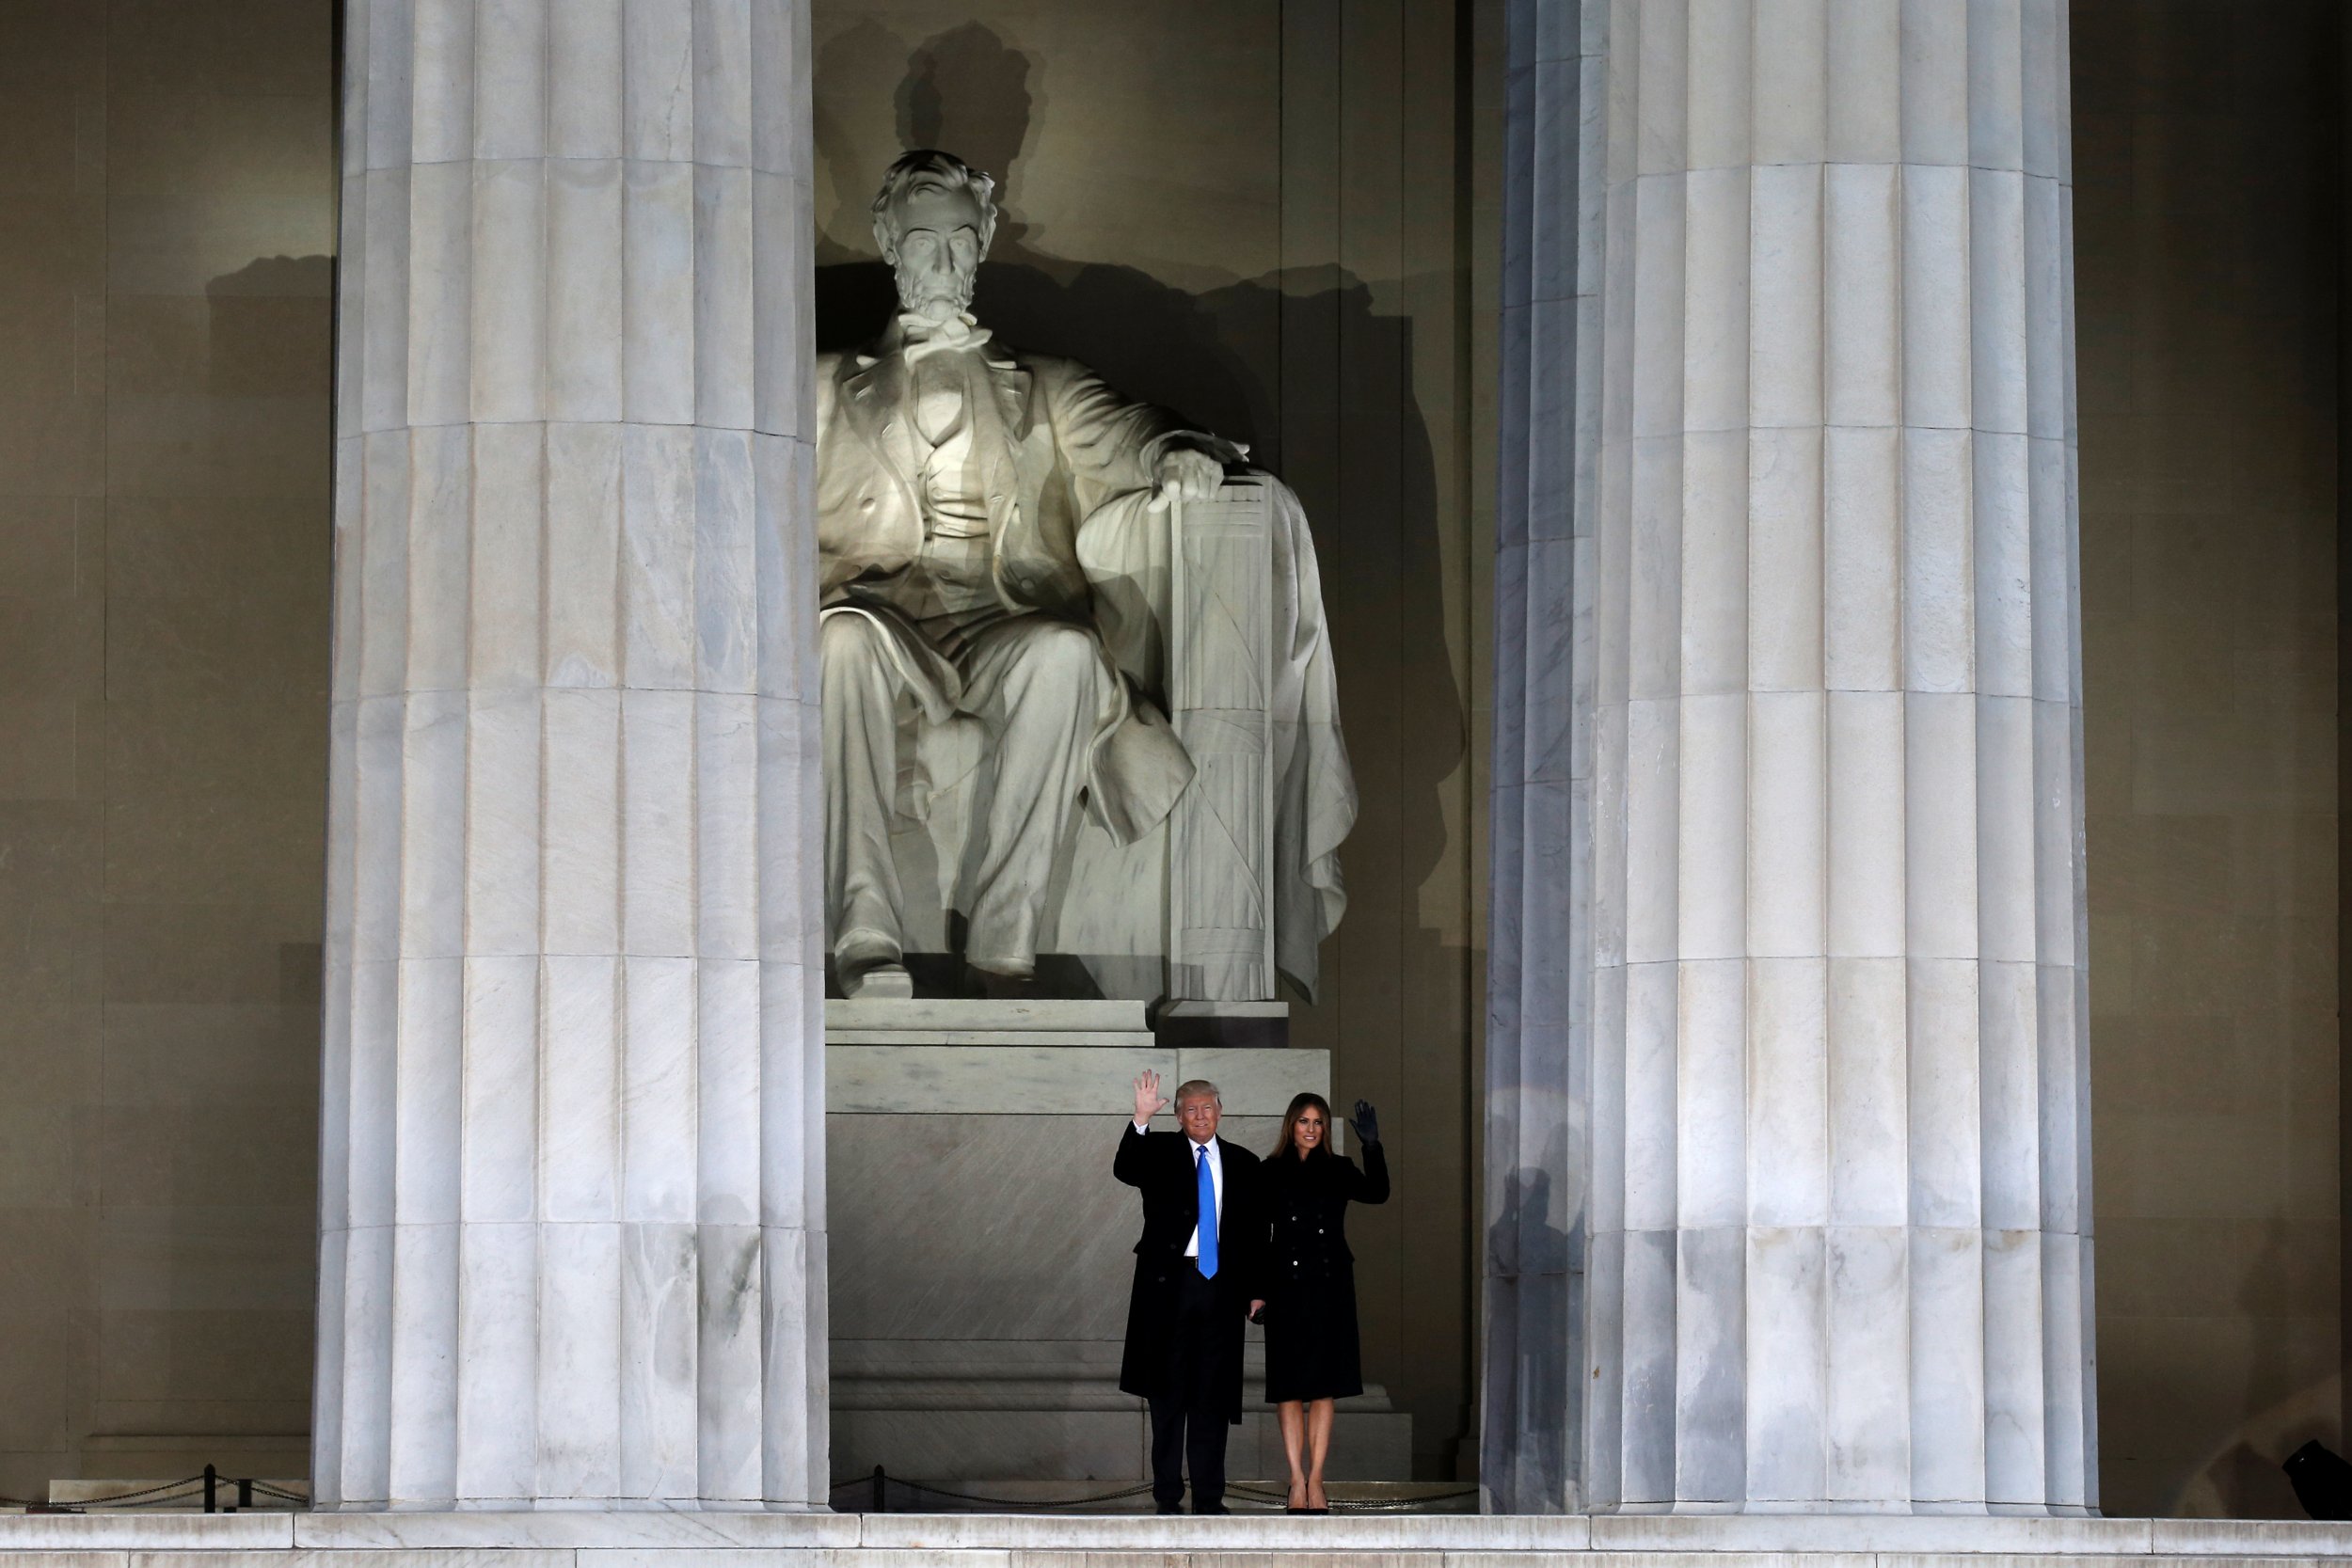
2242 1480
968 92
1534 1274
269 332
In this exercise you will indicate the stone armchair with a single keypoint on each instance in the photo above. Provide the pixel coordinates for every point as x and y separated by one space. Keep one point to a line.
1186 912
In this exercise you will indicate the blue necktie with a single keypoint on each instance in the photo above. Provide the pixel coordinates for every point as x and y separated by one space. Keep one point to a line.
1208 1212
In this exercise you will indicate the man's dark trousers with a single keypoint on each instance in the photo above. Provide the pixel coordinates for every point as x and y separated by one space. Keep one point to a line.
1188 1426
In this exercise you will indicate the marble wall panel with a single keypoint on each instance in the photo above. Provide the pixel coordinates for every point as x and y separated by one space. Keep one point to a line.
2204 229
166 206
1055 1266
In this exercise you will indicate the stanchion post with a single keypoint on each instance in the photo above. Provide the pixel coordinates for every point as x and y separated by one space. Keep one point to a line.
212 1482
245 1493
882 1491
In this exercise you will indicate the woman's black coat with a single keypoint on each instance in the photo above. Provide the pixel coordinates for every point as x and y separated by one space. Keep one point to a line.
1312 1345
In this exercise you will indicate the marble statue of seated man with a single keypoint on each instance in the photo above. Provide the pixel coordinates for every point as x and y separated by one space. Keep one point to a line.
954 475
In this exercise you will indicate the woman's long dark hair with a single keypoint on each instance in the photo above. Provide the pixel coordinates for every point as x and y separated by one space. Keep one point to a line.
1290 1119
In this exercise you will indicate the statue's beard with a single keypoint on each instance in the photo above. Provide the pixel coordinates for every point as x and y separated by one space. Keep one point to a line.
924 293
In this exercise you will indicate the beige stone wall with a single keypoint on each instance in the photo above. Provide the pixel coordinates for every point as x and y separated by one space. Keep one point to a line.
2206 275
1263 213
1245 209
164 224
1274 213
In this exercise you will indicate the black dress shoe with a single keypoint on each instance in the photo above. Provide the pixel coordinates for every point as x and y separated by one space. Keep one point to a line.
1209 1508
1167 1507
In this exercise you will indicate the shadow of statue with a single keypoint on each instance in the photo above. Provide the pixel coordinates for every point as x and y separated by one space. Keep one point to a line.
2247 1476
1534 1289
1213 356
968 91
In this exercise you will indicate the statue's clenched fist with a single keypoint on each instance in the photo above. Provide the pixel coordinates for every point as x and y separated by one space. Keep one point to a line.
1149 1100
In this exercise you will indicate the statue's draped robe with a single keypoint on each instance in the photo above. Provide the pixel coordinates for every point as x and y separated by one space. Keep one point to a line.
1066 468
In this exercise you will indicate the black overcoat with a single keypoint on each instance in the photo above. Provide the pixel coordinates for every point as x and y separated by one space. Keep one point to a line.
1313 1349
1160 1165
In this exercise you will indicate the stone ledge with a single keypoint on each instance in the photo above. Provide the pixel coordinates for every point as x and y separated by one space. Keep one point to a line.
1137 1040
656 1539
960 1014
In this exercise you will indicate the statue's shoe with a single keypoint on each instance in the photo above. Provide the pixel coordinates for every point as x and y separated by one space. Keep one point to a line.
887 981
999 987
868 964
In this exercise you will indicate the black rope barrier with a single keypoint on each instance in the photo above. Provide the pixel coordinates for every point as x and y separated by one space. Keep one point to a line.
1029 1503
107 1501
191 1487
205 1488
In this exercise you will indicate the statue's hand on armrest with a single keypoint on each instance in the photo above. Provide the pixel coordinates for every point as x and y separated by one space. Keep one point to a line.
1191 467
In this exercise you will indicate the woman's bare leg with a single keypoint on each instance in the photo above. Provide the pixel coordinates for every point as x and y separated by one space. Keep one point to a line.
1319 1415
1291 1414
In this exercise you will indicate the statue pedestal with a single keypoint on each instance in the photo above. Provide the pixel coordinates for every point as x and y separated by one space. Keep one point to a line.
982 1253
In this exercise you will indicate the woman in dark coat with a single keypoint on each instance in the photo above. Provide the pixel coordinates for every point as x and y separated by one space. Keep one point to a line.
1311 1356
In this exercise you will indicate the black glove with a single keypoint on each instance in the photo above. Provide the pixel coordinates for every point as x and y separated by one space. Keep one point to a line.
1367 1122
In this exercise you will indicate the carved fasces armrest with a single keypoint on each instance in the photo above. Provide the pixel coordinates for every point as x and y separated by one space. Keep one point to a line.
1220 840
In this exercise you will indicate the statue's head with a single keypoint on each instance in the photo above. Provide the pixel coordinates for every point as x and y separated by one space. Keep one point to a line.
934 218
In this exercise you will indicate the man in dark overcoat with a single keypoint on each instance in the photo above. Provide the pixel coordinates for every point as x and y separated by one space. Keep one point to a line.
1197 1271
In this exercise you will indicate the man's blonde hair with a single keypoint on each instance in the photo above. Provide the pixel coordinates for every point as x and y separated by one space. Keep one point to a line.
1197 1088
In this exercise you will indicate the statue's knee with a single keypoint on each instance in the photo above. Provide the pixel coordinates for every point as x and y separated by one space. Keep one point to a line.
841 639
1059 648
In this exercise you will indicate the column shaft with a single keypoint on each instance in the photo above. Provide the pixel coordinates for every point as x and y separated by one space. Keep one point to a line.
1835 1189
1540 933
573 1225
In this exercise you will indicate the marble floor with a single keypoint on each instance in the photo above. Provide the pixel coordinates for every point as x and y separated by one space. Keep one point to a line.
669 1540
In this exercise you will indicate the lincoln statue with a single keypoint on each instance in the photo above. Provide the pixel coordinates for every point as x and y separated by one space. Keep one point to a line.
987 523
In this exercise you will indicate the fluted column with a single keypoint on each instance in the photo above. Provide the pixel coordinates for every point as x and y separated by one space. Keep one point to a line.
1835 1195
1540 932
572 1245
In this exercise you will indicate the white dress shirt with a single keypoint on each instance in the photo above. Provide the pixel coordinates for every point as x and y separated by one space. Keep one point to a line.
1217 1184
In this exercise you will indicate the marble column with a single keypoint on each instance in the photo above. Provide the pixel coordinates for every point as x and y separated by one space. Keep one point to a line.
1812 1001
573 1228
1540 937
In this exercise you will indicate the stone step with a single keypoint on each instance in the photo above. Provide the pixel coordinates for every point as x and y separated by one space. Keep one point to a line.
1348 1498
1127 1039
1047 1391
1077 1453
1080 1075
704 1539
935 1017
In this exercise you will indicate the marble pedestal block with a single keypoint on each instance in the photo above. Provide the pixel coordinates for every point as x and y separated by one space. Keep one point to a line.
982 1252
